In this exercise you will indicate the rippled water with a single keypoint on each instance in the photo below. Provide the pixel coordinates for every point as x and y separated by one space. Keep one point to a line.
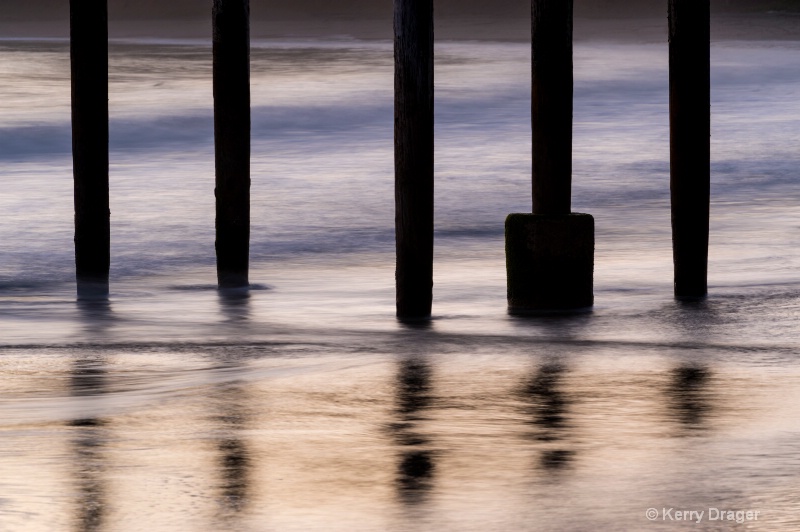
304 405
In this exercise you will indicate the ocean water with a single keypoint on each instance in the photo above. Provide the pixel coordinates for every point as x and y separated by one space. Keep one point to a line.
304 404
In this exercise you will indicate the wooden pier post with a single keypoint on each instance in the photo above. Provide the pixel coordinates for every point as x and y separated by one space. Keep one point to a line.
89 73
231 50
413 148
551 105
550 252
690 143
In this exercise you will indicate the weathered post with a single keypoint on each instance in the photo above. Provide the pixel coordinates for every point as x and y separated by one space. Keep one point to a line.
413 149
231 50
550 252
690 143
89 73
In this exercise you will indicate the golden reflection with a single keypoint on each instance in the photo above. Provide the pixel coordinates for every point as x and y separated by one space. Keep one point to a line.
231 400
689 396
234 460
416 465
688 388
547 411
90 433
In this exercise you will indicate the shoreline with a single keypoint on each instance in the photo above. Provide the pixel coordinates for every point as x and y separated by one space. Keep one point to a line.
724 27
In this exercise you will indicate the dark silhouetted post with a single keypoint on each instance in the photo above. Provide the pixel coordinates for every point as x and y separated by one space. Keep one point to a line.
690 143
413 149
89 65
550 252
551 105
231 48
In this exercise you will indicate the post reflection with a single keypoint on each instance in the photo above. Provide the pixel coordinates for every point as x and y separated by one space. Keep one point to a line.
235 305
547 410
234 459
88 379
688 388
688 394
416 462
96 316
231 405
559 326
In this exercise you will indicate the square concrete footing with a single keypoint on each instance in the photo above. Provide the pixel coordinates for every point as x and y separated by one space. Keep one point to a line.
549 262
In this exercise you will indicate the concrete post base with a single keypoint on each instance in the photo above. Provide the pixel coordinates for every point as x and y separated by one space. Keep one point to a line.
549 262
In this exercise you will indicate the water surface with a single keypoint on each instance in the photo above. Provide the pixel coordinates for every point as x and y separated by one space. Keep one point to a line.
304 405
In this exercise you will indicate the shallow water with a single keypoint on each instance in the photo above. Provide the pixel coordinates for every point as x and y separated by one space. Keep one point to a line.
304 405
